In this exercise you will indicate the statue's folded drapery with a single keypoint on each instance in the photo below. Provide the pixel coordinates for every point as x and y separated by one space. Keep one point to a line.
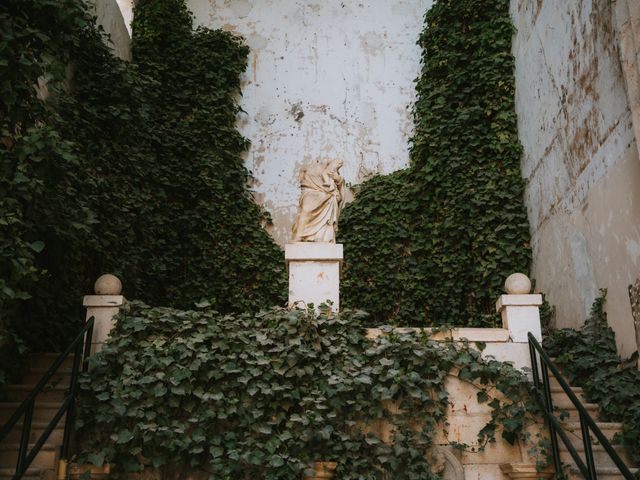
321 199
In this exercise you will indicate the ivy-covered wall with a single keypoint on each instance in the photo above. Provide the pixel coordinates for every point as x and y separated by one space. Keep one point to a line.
433 243
134 169
263 396
325 80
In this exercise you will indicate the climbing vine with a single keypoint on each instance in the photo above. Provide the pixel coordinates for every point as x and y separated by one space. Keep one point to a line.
432 244
263 395
589 358
132 168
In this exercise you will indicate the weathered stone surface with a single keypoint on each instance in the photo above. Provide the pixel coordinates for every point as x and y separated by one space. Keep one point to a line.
484 472
107 284
580 158
103 308
324 78
520 315
517 284
322 196
314 273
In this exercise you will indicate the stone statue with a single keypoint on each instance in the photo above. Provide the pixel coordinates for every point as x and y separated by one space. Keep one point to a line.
321 199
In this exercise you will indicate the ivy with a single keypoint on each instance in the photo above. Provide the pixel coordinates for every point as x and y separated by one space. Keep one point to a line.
131 168
263 395
432 244
589 359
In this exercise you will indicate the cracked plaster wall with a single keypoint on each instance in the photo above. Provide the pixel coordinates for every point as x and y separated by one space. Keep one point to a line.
325 79
580 159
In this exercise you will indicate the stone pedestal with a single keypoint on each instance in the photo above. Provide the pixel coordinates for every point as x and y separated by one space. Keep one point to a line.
521 315
314 273
103 307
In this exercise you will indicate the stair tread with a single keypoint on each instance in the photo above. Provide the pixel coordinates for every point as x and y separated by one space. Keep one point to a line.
4 471
41 423
601 425
588 406
61 369
16 446
596 447
31 386
15 405
559 389
606 470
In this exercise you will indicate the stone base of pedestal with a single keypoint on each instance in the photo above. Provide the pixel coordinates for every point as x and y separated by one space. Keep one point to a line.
314 273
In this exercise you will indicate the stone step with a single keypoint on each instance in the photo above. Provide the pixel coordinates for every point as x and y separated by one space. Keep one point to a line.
42 361
609 429
61 378
18 392
600 456
43 412
604 473
30 474
76 471
37 429
567 412
555 386
47 457
558 393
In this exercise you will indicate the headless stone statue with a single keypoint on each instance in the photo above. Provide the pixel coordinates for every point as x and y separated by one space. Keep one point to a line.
321 199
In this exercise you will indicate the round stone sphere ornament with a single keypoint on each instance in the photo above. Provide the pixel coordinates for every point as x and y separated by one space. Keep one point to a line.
517 284
108 284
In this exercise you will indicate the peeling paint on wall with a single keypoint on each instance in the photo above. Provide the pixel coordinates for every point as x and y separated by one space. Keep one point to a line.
580 159
325 80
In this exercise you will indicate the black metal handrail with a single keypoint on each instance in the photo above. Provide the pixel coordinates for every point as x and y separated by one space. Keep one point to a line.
541 363
81 345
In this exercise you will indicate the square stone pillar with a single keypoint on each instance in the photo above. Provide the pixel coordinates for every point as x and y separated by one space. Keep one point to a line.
103 306
521 315
314 273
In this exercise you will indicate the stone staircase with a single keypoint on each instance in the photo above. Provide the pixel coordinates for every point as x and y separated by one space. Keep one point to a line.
605 467
48 403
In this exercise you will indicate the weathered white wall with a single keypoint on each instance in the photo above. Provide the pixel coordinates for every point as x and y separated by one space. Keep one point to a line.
580 158
109 16
126 8
326 79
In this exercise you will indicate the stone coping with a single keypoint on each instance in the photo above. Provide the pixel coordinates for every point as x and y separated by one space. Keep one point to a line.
471 334
530 300
103 301
309 251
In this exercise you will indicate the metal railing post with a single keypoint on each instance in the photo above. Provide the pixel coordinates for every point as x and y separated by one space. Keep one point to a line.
24 438
548 400
73 390
588 451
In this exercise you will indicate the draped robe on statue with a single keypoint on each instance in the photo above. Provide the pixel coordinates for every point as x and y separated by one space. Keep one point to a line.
321 199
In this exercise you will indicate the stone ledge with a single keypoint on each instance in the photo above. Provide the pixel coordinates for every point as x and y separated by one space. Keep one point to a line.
533 300
458 334
103 301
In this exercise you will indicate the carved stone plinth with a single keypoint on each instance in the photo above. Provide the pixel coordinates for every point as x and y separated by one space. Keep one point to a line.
314 273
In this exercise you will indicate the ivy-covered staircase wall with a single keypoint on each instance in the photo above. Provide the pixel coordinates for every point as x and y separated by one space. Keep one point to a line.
133 168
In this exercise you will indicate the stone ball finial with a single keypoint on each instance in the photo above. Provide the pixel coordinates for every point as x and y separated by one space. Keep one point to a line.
108 284
517 284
